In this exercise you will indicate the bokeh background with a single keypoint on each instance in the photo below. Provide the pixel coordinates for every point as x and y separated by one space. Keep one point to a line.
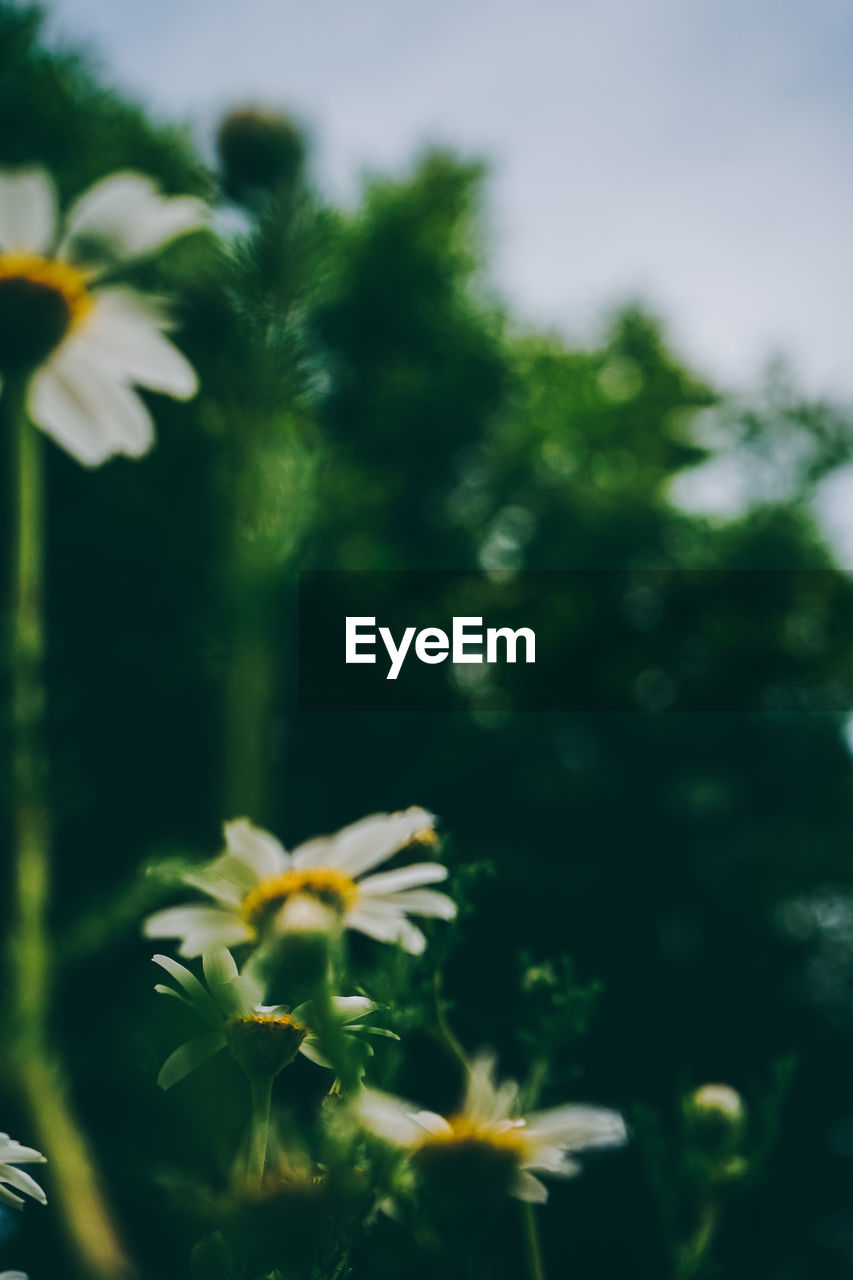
654 899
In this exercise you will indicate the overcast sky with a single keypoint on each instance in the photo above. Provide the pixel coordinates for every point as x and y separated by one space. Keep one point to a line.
695 152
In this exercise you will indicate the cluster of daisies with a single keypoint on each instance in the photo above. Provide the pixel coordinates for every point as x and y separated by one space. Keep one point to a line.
77 342
275 905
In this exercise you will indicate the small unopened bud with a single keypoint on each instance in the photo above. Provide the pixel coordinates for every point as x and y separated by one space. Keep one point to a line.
716 1117
260 152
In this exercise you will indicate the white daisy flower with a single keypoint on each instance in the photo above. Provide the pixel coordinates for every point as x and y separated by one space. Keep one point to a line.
12 1154
262 1038
490 1136
257 887
83 342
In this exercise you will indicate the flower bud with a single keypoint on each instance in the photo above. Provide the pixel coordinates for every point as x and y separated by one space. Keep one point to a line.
259 152
716 1117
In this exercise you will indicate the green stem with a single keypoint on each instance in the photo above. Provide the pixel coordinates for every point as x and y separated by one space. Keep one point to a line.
31 830
261 1087
446 1033
338 1047
696 1249
40 1075
533 1250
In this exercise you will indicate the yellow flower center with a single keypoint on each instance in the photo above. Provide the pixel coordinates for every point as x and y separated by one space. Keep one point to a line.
332 888
62 278
481 1134
40 302
479 1159
270 1021
264 1043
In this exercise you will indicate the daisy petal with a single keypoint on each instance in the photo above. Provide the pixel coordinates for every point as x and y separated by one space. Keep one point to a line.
199 928
577 1127
389 1118
27 211
14 1153
410 938
125 216
163 990
526 1187
481 1093
432 1123
86 410
350 1007
203 1001
22 1181
257 849
387 926
227 878
412 876
421 902
189 1056
57 406
553 1160
219 966
235 995
7 1198
249 988
309 1050
127 332
366 843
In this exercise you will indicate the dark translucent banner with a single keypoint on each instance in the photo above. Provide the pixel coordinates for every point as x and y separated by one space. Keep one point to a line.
588 640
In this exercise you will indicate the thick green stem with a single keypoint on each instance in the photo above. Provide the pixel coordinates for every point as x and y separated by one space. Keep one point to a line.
338 1047
532 1248
259 1137
31 830
40 1076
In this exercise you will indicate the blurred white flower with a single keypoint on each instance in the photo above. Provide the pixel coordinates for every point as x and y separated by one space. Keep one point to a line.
256 886
491 1128
262 1038
12 1154
13 1275
84 341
